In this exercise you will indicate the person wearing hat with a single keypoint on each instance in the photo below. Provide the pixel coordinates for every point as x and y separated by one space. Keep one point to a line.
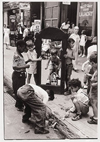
76 47
55 63
35 99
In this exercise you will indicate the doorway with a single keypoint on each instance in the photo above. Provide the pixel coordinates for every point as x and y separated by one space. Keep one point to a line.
72 12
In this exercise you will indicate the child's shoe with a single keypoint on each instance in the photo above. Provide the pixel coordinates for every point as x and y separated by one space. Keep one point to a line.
85 86
80 55
77 117
83 55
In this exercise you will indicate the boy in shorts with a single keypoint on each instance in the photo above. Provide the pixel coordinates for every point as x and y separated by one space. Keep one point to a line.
55 63
69 56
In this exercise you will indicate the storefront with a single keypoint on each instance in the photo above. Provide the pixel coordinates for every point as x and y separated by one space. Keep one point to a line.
16 12
86 17
82 14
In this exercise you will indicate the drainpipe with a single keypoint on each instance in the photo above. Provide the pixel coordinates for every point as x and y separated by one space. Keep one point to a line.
94 19
77 20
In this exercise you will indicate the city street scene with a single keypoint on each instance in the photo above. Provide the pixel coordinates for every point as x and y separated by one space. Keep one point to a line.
50 70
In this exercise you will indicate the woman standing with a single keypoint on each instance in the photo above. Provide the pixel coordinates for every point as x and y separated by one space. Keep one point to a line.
6 36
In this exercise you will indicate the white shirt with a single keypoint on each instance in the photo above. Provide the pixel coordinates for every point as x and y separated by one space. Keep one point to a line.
76 37
82 97
25 33
41 93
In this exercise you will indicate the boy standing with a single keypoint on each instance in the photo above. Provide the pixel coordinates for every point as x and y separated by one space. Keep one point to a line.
93 90
80 100
55 63
19 67
69 56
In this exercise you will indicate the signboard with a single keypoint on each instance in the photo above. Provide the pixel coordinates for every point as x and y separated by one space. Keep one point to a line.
24 5
86 14
13 5
37 24
66 3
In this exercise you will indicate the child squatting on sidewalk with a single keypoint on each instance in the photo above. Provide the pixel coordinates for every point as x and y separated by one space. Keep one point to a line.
80 100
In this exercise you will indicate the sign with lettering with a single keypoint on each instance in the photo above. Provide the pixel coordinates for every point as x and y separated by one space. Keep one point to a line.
86 14
24 5
14 5
66 3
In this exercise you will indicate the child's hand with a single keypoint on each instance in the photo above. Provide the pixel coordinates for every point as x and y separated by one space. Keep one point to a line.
65 56
67 114
40 58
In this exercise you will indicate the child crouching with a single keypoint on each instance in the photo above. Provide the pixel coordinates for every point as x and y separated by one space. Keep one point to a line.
80 100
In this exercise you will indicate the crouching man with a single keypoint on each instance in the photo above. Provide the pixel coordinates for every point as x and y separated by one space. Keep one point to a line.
35 98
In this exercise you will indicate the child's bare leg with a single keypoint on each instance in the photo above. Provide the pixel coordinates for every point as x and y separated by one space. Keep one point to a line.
29 78
95 110
77 106
51 71
84 50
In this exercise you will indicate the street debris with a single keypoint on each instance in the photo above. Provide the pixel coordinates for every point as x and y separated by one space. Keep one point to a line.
27 131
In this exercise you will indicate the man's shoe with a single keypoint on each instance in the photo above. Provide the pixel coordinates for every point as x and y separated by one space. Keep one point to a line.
25 120
44 131
20 109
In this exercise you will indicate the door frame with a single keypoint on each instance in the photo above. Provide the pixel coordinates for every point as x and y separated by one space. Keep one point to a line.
53 34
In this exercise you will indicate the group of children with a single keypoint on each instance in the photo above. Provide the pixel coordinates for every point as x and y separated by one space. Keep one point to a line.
79 98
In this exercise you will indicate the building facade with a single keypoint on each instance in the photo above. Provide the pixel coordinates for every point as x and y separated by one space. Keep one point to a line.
82 14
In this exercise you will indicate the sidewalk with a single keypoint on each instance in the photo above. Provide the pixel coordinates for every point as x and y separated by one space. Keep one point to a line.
81 127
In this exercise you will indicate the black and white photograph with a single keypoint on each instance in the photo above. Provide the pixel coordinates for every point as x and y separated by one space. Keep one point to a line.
50 70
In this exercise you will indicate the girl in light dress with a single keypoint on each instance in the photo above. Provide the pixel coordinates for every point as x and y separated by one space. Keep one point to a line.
83 40
6 36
